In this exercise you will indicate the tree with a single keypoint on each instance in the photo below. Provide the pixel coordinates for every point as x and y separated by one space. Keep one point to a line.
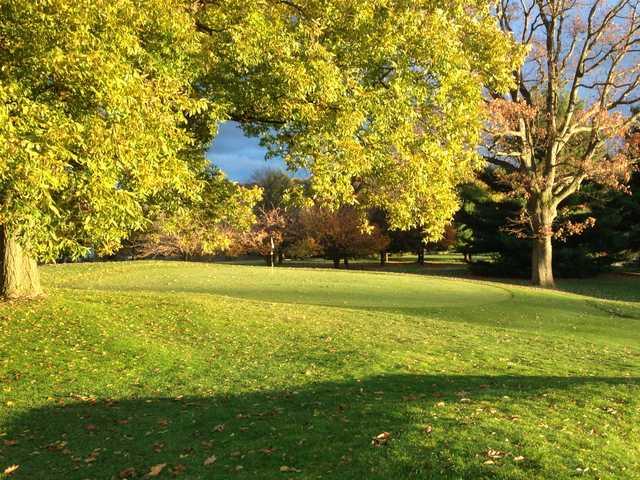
340 234
484 227
567 119
381 101
400 241
105 104
204 226
266 236
274 184
94 98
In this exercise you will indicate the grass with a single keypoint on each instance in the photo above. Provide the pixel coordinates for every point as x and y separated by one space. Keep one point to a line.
290 373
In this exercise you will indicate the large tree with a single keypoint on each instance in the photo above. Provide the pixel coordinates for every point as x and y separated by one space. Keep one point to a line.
380 100
568 117
94 97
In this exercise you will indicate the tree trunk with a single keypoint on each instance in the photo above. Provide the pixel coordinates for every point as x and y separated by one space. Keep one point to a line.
542 213
280 258
541 262
346 263
271 252
336 262
19 277
421 255
384 258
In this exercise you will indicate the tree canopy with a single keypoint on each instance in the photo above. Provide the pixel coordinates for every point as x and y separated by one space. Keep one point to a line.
570 116
108 106
380 100
94 96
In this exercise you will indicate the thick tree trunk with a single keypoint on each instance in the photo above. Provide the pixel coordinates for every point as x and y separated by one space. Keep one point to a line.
541 262
280 258
19 277
542 213
421 255
346 263
336 262
384 258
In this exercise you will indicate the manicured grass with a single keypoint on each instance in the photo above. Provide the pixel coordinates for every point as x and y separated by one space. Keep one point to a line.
290 372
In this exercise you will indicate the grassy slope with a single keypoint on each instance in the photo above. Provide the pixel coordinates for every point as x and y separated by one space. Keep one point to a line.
134 365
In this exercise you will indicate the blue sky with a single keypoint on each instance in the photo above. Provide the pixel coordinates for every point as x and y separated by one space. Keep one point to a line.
237 155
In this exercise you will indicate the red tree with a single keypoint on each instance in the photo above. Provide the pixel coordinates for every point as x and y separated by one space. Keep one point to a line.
567 118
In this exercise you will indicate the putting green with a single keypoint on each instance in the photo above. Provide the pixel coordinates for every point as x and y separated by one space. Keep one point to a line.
351 289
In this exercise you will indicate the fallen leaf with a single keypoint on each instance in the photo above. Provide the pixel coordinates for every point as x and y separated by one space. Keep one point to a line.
178 470
156 470
219 428
10 443
491 453
210 460
93 456
519 458
10 469
381 439
285 468
57 446
158 446
127 473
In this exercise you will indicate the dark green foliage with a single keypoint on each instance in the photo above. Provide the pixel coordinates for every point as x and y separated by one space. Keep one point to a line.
485 226
274 183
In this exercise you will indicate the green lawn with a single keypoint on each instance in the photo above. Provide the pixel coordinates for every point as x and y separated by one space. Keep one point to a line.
289 373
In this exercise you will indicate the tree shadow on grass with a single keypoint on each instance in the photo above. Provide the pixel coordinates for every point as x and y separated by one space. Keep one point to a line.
440 427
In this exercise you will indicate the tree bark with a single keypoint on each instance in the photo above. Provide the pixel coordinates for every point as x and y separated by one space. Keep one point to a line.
336 262
19 277
421 255
346 263
384 258
541 262
280 258
542 213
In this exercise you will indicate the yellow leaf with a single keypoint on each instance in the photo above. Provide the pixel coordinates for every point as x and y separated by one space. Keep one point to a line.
9 470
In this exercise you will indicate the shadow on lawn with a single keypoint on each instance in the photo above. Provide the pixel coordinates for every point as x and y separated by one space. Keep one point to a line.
324 430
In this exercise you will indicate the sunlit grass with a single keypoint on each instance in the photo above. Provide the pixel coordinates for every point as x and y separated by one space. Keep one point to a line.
290 373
